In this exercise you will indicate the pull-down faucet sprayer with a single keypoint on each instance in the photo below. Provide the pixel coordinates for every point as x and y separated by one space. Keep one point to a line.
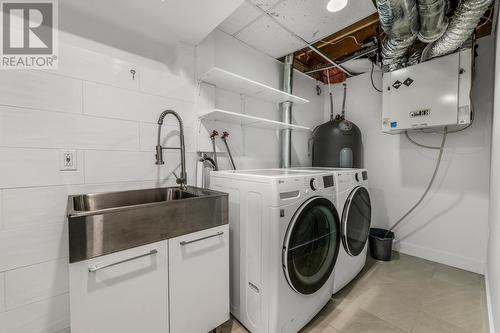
182 179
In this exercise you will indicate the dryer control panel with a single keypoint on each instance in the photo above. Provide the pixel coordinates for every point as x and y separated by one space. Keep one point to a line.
316 183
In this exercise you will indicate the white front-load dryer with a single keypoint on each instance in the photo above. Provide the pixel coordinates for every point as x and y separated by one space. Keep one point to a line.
284 241
353 202
353 199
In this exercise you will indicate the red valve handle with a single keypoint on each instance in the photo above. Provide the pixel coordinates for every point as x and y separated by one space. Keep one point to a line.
214 134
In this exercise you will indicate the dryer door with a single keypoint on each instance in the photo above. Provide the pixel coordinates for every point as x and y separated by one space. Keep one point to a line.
311 245
356 219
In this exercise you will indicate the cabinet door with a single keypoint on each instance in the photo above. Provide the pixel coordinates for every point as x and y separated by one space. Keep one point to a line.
125 292
199 280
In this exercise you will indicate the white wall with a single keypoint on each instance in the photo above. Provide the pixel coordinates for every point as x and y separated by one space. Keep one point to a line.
451 224
254 147
92 105
493 265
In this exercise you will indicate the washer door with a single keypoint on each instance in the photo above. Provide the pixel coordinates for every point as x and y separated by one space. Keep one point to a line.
356 219
311 245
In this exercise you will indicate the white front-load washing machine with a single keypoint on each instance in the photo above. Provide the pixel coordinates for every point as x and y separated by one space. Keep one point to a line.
353 202
284 243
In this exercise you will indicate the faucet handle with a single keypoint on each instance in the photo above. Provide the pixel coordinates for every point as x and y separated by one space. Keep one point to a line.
182 183
159 155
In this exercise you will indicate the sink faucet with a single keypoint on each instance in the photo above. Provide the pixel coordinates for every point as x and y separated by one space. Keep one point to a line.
182 180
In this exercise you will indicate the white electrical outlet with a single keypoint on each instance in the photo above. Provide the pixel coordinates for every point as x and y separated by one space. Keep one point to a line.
68 160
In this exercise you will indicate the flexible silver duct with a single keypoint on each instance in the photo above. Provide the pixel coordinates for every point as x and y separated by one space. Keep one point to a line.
433 20
400 21
462 25
414 56
394 51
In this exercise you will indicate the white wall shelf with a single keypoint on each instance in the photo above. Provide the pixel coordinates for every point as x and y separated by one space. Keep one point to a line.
249 121
233 82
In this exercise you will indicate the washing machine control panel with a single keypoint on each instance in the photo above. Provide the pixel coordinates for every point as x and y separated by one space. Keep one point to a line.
313 183
328 181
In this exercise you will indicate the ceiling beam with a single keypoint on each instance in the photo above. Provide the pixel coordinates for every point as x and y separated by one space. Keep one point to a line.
306 43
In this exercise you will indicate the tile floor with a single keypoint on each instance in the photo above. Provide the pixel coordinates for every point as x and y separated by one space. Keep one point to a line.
408 294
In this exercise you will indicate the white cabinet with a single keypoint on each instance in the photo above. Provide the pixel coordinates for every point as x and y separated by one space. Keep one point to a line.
124 292
180 285
199 280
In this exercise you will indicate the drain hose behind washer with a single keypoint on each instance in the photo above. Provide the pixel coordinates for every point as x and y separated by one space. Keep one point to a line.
440 156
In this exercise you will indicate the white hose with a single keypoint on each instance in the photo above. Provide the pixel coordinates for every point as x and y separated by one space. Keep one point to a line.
440 156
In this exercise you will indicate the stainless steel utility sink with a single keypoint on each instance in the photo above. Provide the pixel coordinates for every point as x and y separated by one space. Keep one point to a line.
98 201
104 223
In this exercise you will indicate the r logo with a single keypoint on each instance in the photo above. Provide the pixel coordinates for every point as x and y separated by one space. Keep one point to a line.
27 28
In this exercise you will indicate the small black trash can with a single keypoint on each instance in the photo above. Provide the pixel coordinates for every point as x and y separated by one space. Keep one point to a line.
381 244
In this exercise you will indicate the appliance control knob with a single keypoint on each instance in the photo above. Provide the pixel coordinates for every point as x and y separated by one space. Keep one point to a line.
357 177
313 184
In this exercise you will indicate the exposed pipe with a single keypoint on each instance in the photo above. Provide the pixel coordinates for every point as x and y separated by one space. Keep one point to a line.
214 148
462 25
343 101
224 137
360 54
433 20
330 94
345 35
286 113
399 20
334 63
302 40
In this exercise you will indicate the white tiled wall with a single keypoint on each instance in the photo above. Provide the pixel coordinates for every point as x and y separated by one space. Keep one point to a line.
40 91
118 103
25 167
42 129
24 206
36 282
46 316
91 105
32 244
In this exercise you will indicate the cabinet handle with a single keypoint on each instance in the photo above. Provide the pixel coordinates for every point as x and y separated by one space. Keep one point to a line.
202 238
95 268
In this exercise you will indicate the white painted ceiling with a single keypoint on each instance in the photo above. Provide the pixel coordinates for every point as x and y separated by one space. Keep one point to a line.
164 21
307 18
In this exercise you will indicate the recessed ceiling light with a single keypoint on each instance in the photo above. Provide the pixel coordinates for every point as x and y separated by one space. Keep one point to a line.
336 5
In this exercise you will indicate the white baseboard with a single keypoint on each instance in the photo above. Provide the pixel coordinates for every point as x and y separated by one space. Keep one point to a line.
446 258
488 303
